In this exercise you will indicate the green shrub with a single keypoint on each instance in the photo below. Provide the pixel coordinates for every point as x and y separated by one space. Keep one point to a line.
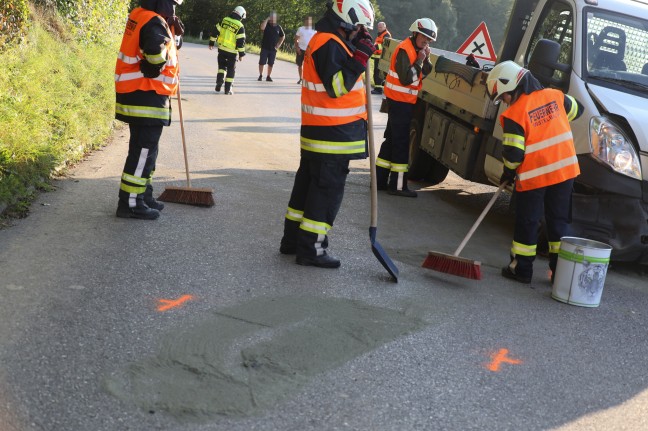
13 20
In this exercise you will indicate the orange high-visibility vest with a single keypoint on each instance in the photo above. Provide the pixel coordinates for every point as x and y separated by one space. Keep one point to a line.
393 87
128 77
549 153
379 42
318 108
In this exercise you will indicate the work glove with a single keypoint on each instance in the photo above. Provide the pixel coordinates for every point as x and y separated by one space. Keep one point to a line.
362 34
470 61
508 176
176 26
149 70
364 50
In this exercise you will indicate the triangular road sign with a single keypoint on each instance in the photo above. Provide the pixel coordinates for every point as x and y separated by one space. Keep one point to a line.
479 44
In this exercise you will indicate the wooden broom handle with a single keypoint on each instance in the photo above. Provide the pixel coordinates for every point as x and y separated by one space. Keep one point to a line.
182 131
479 220
372 152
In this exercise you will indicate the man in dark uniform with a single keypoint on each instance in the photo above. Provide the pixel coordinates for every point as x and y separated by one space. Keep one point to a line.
146 76
334 128
230 35
539 158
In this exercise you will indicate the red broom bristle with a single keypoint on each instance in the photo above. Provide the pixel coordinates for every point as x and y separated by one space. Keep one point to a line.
187 195
453 265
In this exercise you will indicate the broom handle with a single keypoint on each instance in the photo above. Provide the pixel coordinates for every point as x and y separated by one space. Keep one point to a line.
479 220
372 153
184 145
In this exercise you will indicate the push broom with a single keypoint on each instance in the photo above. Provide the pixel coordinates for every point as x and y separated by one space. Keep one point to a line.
452 263
187 195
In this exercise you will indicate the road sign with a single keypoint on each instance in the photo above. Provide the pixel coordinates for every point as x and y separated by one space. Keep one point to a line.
479 44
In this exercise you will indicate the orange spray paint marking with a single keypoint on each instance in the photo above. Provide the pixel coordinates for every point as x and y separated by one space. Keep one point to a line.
499 358
168 304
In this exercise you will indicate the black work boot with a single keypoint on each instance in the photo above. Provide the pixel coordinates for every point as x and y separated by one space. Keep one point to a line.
323 261
150 201
218 87
507 272
400 177
141 211
382 176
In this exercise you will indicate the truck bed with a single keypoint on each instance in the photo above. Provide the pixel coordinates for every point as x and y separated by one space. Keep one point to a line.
452 86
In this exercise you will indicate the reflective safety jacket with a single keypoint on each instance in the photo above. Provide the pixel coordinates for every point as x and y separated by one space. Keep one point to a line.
228 35
394 89
333 126
548 145
128 76
379 43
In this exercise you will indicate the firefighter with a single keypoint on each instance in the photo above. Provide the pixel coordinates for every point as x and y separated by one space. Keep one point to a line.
230 35
378 77
333 128
146 75
409 65
539 156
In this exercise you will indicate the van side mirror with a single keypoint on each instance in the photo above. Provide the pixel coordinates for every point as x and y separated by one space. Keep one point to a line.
544 62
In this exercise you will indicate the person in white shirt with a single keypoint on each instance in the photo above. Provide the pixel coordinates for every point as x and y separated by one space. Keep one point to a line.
302 37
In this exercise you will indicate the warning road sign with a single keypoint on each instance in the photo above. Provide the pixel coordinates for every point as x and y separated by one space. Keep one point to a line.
479 44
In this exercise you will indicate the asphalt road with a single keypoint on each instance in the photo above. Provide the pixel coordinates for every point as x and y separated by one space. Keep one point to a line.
196 322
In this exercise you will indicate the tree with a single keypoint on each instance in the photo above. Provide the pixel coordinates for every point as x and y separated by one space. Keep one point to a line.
399 16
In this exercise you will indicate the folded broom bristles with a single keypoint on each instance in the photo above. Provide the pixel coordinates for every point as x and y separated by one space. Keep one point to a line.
454 265
188 195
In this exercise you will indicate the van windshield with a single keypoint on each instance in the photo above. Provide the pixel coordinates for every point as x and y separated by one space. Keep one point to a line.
617 49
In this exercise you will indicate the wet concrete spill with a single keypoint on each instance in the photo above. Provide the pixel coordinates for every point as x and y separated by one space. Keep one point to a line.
251 356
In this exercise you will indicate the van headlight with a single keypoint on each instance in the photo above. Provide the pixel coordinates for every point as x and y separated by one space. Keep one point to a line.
611 146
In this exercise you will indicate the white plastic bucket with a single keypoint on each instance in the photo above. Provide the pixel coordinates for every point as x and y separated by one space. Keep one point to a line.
580 272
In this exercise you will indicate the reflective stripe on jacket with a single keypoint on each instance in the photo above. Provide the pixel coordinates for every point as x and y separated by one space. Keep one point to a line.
394 89
128 77
379 43
549 153
228 33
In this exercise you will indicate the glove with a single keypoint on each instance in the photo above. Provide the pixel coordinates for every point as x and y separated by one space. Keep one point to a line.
362 34
176 26
149 70
364 50
508 176
470 61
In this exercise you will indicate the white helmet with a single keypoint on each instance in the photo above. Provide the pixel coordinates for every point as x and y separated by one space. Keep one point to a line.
426 27
504 78
240 11
354 12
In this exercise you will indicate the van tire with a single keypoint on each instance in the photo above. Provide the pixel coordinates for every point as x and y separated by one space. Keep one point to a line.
422 166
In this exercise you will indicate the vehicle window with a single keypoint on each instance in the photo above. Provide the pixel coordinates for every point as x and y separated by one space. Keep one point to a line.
616 47
556 23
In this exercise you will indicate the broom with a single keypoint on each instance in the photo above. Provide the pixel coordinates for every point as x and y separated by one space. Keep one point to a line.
455 265
187 195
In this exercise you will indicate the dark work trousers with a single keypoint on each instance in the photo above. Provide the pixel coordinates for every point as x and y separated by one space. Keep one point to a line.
377 74
318 193
395 148
140 163
226 69
554 202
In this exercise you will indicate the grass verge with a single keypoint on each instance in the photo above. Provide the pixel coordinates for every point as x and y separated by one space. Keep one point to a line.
56 104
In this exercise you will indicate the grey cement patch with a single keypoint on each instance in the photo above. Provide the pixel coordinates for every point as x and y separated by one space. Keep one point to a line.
251 356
